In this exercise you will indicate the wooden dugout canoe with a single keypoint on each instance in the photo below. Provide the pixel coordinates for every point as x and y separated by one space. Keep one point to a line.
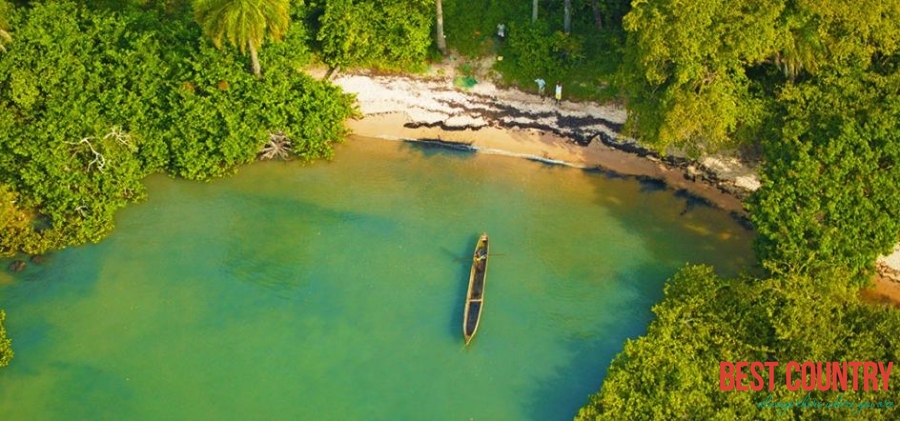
475 293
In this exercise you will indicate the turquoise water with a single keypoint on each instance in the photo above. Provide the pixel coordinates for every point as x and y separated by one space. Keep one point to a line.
334 291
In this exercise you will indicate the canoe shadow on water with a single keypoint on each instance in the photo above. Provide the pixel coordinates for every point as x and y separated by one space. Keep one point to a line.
463 267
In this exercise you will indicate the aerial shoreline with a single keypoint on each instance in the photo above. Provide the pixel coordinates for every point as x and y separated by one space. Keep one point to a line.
582 135
492 120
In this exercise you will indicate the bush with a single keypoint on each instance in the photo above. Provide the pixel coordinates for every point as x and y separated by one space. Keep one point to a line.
384 34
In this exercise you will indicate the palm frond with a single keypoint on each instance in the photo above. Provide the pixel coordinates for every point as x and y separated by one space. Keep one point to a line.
241 22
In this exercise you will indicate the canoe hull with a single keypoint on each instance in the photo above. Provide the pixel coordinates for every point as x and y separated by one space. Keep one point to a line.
475 293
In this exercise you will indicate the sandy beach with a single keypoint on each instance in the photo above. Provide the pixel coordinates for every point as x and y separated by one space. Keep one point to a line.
512 122
550 147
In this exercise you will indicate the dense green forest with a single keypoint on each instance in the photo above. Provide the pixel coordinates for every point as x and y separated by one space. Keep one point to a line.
95 95
816 87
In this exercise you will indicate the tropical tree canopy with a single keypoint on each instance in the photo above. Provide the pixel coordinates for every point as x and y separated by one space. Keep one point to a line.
830 176
704 74
685 65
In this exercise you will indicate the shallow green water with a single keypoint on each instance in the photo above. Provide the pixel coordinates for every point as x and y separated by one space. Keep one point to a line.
335 292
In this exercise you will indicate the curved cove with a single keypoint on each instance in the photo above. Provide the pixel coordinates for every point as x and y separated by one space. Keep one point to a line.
336 291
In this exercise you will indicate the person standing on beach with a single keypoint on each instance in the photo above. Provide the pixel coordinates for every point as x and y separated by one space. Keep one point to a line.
541 84
558 92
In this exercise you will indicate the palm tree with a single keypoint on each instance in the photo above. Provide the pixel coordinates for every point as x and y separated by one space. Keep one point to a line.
243 23
801 52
